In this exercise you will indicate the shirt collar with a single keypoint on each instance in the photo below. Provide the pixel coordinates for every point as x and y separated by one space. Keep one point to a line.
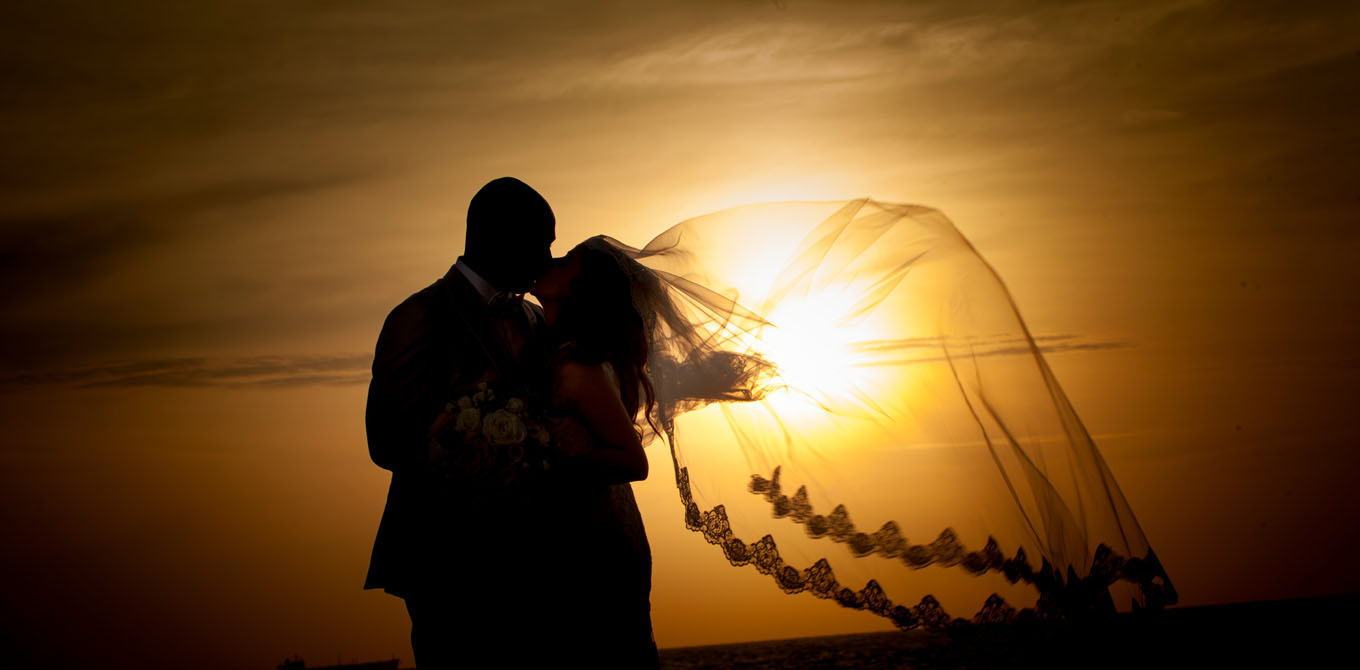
483 287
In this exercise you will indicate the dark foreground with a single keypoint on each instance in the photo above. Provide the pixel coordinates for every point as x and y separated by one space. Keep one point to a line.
1307 632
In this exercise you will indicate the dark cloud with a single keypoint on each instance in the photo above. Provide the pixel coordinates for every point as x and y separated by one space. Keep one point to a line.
244 372
63 246
73 283
91 87
1288 133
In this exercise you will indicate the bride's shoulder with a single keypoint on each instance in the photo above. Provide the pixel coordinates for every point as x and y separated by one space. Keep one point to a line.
574 379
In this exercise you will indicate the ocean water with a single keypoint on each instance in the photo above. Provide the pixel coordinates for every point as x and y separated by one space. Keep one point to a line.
1293 633
1053 647
864 651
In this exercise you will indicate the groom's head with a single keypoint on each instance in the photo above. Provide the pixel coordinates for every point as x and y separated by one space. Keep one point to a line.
510 229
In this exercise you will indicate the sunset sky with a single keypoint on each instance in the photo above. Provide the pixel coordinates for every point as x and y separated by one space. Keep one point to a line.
209 207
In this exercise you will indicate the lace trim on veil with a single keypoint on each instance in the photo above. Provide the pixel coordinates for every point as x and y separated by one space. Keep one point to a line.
819 580
1107 567
1057 596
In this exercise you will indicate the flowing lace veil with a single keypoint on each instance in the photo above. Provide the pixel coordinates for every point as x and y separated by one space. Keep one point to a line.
855 408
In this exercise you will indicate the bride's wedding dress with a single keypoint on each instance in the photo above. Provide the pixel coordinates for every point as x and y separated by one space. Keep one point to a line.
602 611
855 408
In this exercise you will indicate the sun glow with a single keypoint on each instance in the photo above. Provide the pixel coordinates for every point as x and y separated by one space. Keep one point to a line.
812 344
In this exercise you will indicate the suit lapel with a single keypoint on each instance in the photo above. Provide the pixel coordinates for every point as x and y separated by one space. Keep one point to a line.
477 333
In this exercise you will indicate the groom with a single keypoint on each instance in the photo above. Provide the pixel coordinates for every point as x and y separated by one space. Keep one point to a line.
461 561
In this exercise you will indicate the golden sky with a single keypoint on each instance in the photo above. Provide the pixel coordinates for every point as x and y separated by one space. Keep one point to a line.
208 208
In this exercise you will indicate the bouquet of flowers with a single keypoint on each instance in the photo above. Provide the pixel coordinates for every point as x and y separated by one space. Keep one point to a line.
489 441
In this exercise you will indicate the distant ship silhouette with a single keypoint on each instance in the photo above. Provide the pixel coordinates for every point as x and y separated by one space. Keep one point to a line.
296 663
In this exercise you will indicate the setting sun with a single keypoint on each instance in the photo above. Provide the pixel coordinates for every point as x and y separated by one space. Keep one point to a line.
812 342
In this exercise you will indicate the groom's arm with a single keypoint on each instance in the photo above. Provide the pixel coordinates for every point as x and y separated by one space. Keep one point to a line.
404 395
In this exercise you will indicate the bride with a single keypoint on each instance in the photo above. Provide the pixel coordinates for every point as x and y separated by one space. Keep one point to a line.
853 407
599 389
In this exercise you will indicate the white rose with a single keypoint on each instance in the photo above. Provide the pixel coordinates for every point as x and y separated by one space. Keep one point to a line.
468 419
464 402
502 427
515 405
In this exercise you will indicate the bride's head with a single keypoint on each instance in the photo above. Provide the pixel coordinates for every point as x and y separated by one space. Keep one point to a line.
587 299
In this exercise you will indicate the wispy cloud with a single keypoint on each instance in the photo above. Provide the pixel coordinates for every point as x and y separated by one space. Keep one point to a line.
245 372
931 349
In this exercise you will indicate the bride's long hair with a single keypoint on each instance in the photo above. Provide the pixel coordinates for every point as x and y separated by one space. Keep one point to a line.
600 323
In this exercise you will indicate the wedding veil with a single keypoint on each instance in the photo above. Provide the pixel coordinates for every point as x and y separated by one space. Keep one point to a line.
855 408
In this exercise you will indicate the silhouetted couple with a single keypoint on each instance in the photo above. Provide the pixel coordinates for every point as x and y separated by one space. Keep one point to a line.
512 433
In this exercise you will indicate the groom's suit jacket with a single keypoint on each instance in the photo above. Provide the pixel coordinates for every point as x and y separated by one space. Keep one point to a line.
440 339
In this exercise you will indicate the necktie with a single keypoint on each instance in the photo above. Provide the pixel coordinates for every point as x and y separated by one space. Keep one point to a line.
507 315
